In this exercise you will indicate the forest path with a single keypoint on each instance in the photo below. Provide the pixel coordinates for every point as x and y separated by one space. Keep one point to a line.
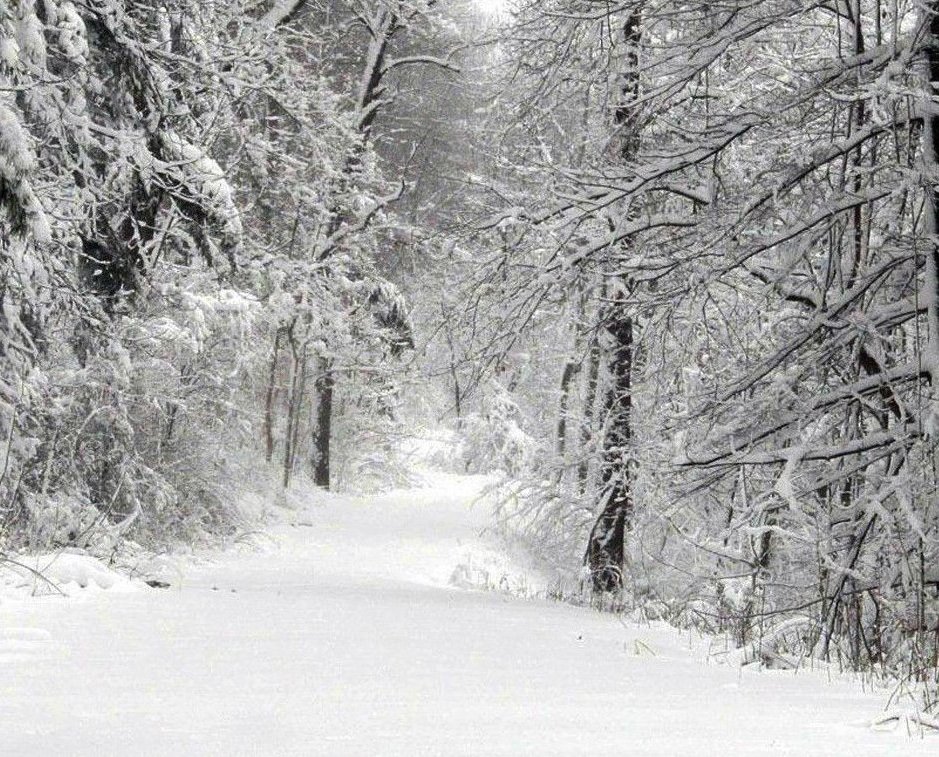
345 637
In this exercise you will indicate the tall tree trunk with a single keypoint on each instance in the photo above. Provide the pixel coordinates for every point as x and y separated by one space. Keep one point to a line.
297 414
606 548
294 402
571 369
269 398
931 209
454 374
325 384
591 386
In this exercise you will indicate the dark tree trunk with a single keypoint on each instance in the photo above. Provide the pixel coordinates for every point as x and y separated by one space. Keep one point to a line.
931 157
454 374
294 401
269 398
571 369
325 384
606 548
300 394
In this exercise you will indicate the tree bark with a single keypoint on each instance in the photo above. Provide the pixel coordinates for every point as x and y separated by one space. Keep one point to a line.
269 398
571 369
592 385
294 402
606 548
383 27
325 385
931 206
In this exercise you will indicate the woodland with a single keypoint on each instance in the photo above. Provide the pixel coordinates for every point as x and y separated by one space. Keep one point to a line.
669 268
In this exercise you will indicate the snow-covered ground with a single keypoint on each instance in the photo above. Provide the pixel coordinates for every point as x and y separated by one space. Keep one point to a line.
355 628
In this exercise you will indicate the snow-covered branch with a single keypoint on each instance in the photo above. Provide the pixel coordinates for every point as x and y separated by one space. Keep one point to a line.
421 60
282 12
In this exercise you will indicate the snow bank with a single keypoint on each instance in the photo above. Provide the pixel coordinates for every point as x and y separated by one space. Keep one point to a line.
59 573
351 633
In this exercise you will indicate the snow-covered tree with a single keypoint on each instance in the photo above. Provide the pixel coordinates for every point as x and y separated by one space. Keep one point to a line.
771 228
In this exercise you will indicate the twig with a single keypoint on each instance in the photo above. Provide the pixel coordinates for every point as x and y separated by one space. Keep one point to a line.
33 571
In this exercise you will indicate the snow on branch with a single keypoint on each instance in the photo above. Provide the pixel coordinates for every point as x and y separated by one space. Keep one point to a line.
904 434
848 202
368 111
282 12
903 373
620 234
820 158
17 162
416 60
204 184
825 319
328 245
652 173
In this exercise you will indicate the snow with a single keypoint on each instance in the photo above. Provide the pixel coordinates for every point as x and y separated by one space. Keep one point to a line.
279 11
348 629
17 157
62 572
207 180
30 39
9 52
72 39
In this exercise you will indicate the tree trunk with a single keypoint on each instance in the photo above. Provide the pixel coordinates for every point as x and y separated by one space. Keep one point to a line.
325 384
571 369
592 384
931 206
299 394
294 402
606 549
454 374
269 399
383 28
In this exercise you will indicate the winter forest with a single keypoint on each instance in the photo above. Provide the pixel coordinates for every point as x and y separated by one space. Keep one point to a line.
661 278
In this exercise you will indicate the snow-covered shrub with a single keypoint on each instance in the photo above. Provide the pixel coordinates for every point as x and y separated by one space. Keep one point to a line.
57 520
138 436
494 437
369 428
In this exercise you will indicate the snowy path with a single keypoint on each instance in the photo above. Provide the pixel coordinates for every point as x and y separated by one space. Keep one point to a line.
344 639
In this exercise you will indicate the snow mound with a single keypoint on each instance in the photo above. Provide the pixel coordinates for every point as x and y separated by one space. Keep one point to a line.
484 568
911 722
63 573
160 568
469 576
